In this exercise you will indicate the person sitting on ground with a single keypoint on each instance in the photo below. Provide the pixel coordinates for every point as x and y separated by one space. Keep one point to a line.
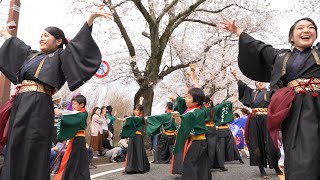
110 151
55 161
123 144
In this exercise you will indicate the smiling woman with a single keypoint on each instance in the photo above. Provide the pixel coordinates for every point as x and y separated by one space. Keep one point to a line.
303 33
295 108
40 74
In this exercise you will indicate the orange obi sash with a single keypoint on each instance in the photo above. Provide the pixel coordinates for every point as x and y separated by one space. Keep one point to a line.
198 137
139 132
80 133
170 132
223 127
209 123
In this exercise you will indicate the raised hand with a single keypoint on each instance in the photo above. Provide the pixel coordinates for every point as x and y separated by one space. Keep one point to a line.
176 116
5 33
100 12
141 100
230 25
173 97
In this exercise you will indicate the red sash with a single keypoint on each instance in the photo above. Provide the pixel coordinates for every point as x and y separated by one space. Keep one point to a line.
278 111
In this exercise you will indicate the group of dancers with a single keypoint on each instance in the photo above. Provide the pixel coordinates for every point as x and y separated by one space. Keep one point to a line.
195 136
288 113
200 140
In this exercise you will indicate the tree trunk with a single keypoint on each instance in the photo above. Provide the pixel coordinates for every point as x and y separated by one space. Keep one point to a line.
147 94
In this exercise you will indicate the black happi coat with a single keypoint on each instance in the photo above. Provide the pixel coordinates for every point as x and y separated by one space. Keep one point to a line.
261 148
32 116
301 129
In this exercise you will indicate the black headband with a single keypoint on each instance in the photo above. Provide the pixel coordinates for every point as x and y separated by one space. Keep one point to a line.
58 34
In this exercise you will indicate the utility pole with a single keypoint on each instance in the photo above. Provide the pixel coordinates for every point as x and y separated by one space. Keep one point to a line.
13 19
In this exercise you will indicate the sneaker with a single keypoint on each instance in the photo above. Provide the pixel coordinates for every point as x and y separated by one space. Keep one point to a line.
112 160
241 161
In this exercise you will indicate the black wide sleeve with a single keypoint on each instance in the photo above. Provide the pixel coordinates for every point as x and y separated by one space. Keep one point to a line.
245 93
256 58
12 55
81 59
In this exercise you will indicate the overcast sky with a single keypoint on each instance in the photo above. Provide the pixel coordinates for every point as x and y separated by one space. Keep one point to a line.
35 15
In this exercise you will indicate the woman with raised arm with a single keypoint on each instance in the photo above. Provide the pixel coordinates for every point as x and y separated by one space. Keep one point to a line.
295 108
40 74
261 148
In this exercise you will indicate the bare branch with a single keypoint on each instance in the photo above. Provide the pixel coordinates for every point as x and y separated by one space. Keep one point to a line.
202 22
145 34
144 11
173 68
136 72
216 11
188 11
176 21
127 39
121 27
151 9
166 9
120 3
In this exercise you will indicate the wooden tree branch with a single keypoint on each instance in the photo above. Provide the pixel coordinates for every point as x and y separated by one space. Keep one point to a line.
215 11
201 22
145 34
151 9
144 12
166 9
120 3
173 68
176 21
127 40
188 11
121 27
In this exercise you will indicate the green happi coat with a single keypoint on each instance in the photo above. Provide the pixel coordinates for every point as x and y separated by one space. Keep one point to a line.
156 122
223 113
71 123
207 114
132 124
192 123
180 105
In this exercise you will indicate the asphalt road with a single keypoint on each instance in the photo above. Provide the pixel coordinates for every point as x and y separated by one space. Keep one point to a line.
235 171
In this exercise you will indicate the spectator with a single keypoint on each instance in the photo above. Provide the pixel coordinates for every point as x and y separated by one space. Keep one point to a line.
111 118
105 123
110 151
54 159
123 144
96 130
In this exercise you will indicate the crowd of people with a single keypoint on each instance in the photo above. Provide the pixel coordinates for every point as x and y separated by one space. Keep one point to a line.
193 134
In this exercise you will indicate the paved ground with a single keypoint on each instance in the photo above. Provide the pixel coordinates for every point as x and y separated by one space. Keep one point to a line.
161 171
